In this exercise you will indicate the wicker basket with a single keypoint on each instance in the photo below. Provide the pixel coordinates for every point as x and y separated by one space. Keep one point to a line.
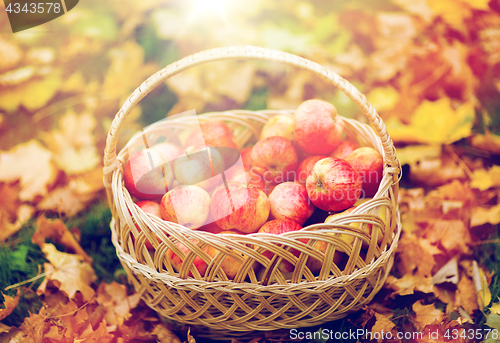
228 307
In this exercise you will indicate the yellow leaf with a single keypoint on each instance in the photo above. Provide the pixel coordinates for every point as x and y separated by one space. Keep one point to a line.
434 123
426 314
483 215
483 179
416 153
31 164
466 295
33 94
68 273
453 12
73 143
382 324
409 283
481 284
495 308
488 141
383 98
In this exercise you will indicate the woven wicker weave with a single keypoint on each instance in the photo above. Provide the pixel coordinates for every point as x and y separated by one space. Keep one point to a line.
248 303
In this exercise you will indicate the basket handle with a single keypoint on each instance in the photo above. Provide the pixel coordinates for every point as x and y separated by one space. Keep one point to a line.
245 52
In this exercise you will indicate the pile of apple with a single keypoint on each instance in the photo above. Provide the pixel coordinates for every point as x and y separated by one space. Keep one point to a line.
300 172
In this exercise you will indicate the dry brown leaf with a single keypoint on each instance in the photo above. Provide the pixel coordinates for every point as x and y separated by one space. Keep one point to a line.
382 324
57 231
416 254
447 273
426 314
115 302
31 164
65 200
68 273
466 295
10 304
409 283
453 235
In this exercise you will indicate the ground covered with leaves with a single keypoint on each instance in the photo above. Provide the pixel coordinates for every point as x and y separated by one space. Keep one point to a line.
430 68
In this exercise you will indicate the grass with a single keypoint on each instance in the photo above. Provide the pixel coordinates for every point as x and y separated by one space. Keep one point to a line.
21 260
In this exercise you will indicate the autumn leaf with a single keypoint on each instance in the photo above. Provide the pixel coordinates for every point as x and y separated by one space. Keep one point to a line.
382 324
453 235
32 94
488 142
426 314
57 231
434 122
7 228
65 200
11 54
482 215
73 143
164 335
32 165
10 304
482 287
466 295
115 302
68 273
409 283
483 179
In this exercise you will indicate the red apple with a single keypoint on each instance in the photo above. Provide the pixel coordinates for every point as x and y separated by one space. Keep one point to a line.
277 227
306 166
186 205
213 133
370 165
289 200
176 261
280 125
153 208
239 207
333 185
246 158
317 128
147 175
274 158
344 149
169 151
200 166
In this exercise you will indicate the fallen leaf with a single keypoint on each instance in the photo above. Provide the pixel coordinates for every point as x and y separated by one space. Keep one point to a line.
383 99
32 165
7 228
65 200
488 142
483 179
426 314
414 154
73 143
453 235
10 304
68 273
482 287
466 295
482 215
382 324
32 94
409 283
416 255
115 302
57 231
434 122
447 273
